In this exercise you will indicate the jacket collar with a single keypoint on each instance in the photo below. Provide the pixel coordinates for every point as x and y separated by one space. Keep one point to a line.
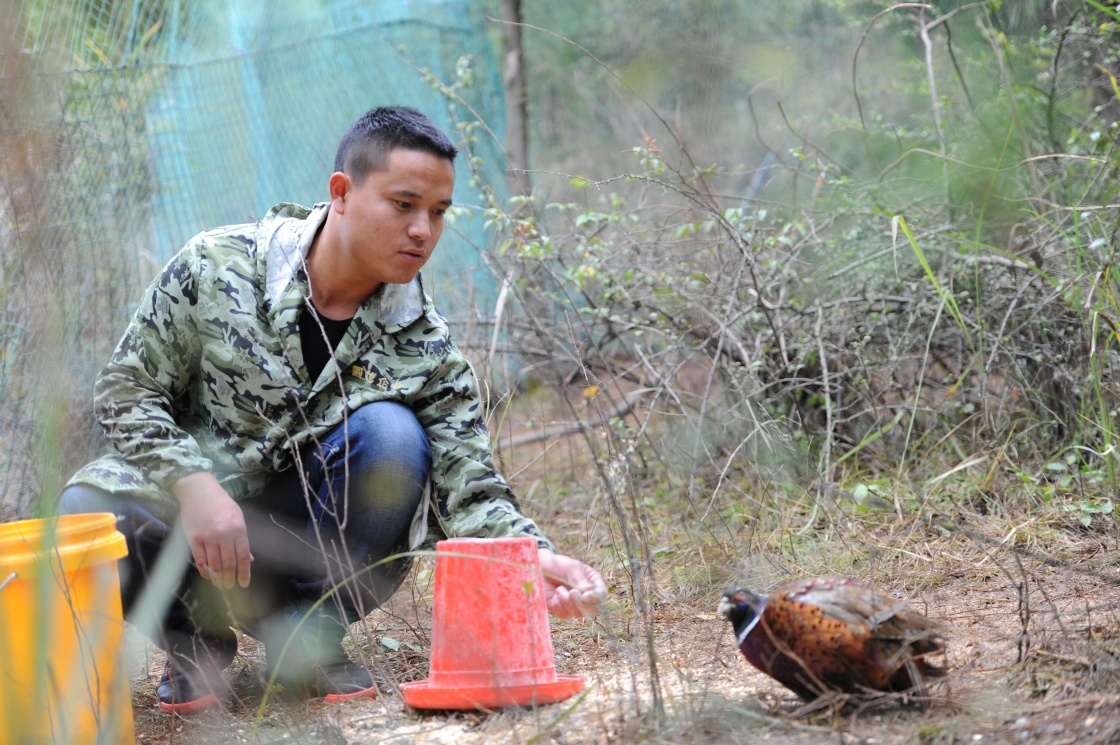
288 231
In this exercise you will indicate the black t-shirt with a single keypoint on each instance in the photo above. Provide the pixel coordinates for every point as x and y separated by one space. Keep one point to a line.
317 351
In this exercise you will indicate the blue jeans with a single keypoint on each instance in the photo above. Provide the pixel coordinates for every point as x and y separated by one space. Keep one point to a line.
329 524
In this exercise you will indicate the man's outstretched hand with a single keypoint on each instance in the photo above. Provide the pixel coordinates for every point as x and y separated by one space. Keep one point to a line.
571 588
215 529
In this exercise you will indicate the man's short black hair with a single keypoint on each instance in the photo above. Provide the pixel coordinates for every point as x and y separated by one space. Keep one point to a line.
366 145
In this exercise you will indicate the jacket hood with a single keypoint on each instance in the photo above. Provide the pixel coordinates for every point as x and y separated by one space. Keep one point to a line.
289 229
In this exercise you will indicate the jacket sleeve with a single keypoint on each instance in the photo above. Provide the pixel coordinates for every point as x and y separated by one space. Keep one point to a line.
471 498
142 390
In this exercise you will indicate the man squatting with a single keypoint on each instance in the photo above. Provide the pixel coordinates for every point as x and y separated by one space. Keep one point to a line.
288 400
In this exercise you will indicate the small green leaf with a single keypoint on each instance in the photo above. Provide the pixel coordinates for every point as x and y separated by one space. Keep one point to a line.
390 643
1097 508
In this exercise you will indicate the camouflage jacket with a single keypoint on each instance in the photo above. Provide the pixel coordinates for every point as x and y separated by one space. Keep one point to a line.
210 376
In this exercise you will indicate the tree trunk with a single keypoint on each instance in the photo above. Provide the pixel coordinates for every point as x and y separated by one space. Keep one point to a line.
517 98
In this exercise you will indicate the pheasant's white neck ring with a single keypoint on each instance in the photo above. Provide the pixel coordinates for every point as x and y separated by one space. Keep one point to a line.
754 621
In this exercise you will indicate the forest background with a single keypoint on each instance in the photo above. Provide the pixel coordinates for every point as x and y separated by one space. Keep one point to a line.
759 289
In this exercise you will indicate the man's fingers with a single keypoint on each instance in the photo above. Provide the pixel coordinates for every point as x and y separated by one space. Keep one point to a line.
572 606
586 603
561 605
568 603
594 598
244 557
214 526
223 565
212 563
585 596
589 603
199 558
575 589
229 566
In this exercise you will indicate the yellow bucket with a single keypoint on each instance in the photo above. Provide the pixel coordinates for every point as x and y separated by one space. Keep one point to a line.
63 677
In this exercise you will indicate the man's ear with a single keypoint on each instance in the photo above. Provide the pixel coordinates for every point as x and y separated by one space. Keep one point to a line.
339 187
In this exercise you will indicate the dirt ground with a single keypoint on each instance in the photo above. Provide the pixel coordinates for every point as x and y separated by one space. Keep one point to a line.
1030 603
1057 683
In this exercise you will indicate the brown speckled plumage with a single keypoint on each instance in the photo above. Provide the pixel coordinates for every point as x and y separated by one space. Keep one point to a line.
833 633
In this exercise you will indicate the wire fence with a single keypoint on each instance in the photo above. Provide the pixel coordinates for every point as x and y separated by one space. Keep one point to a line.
128 126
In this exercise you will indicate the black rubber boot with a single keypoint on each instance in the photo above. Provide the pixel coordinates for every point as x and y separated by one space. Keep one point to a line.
192 678
308 660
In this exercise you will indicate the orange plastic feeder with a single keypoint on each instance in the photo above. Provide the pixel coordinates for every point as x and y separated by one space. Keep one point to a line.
490 637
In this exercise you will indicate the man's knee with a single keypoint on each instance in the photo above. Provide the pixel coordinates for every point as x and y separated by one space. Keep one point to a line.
388 435
390 421
81 499
145 529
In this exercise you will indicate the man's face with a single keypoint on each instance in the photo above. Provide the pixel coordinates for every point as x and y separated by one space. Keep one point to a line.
390 225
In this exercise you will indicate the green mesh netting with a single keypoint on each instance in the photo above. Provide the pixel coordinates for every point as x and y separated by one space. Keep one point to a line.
128 126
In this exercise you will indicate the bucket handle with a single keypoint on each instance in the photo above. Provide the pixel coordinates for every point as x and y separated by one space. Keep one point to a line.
9 579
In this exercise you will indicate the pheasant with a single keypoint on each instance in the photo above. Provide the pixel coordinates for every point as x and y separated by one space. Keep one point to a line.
833 634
